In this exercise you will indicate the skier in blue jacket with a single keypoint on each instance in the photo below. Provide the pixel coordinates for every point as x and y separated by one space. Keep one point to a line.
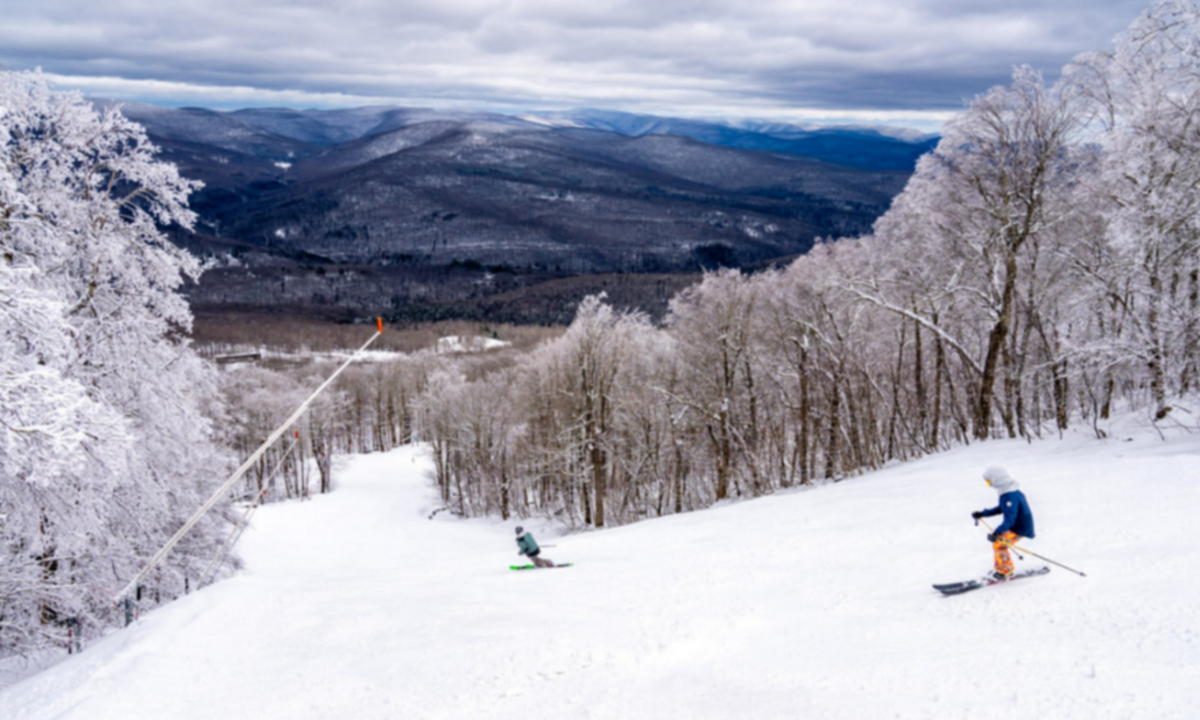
1017 523
528 546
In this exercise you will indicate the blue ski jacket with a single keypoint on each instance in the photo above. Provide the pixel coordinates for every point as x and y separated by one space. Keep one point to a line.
527 545
1017 515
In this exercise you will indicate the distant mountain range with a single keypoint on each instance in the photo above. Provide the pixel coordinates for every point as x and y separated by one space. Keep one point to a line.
859 147
415 212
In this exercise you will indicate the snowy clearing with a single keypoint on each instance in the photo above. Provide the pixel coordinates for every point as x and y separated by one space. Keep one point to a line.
810 603
463 344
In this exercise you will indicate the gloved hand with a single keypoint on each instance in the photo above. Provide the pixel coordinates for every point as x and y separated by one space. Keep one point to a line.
993 537
978 515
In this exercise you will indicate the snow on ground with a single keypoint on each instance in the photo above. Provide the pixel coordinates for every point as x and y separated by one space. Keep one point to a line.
812 603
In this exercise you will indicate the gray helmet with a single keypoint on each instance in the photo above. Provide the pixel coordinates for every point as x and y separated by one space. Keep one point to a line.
520 529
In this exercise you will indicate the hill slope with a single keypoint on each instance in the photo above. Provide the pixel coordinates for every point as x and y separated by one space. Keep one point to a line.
811 603
581 200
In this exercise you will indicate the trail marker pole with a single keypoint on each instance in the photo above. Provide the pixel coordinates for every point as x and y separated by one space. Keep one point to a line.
74 637
130 615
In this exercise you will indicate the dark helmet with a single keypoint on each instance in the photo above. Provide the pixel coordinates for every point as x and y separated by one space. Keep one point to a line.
520 529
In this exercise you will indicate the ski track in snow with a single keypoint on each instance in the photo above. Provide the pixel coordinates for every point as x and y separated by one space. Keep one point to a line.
812 603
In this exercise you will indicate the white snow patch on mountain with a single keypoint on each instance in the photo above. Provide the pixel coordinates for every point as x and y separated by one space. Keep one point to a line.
463 343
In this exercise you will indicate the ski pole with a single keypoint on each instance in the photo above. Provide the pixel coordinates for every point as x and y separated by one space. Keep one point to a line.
1039 557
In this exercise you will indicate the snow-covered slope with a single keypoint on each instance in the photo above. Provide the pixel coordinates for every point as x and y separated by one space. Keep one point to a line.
807 604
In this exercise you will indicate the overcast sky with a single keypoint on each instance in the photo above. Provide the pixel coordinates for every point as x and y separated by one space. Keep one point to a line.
908 62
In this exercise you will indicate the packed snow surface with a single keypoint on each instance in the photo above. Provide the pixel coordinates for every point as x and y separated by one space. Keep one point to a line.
811 603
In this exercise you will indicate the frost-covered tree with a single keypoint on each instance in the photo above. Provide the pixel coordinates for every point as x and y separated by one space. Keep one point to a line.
107 445
711 323
1146 93
598 349
977 210
53 435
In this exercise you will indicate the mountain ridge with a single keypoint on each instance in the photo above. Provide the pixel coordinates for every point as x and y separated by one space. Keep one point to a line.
407 194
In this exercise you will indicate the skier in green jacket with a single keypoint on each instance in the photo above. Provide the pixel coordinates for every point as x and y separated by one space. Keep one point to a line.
528 546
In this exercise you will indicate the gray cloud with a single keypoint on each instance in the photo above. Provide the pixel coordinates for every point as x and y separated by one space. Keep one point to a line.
753 58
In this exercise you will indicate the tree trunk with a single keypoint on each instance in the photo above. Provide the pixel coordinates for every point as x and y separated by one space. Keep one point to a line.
805 422
996 341
939 374
919 383
831 449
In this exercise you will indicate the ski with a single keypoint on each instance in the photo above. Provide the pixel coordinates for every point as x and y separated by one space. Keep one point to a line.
535 567
961 587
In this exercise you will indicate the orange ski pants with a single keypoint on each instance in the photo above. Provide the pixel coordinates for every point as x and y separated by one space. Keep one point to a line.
1004 563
